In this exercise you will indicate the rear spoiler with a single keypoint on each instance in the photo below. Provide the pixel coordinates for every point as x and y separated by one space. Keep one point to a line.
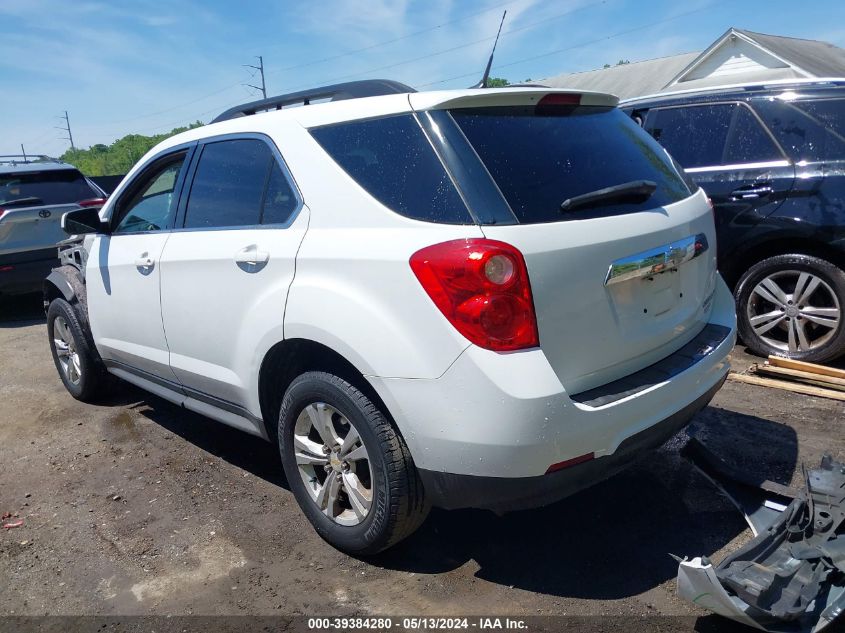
449 99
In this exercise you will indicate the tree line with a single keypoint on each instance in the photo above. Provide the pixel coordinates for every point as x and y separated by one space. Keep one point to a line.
119 157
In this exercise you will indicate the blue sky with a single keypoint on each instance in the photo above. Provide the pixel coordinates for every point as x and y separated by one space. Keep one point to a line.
146 66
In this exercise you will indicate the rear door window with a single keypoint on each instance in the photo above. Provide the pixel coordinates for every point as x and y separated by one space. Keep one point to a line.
540 159
811 130
711 135
228 186
393 161
60 186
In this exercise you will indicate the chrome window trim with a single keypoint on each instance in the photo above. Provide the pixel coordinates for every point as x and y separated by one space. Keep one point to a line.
738 166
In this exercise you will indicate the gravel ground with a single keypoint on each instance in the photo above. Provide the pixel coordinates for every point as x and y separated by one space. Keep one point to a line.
138 507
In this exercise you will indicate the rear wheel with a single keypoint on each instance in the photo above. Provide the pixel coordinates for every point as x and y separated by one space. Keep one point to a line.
792 306
348 468
82 375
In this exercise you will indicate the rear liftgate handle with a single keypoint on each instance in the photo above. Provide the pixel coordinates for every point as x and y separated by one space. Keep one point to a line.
251 260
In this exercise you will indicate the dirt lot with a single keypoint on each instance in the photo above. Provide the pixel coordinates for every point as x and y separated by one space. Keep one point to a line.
138 507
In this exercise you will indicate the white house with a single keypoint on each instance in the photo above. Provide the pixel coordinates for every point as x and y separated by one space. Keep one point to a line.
738 56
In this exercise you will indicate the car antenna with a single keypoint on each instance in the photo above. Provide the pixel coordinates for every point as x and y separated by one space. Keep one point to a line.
486 77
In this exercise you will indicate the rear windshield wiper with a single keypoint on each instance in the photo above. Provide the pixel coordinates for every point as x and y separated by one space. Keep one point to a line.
634 191
31 201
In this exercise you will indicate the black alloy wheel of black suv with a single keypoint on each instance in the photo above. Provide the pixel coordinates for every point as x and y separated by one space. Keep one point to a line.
772 160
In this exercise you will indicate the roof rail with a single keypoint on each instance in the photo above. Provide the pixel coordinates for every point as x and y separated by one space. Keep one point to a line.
746 86
24 159
336 92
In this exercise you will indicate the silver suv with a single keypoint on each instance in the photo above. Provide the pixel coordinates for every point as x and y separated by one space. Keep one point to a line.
35 191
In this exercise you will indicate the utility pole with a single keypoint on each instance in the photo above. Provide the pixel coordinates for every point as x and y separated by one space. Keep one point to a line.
66 128
260 69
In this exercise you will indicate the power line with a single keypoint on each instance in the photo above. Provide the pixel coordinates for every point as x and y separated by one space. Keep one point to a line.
392 41
307 64
452 49
260 69
581 45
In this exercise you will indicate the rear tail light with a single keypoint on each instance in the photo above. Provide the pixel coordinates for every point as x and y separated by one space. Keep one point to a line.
2 211
92 202
481 287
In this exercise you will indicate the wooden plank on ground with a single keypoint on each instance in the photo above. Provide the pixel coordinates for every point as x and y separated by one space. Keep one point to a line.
828 382
787 386
812 368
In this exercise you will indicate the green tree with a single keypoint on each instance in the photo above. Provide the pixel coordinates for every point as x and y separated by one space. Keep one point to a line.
497 82
119 157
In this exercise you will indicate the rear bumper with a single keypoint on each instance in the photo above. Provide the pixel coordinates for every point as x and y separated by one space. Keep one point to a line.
26 273
507 416
504 494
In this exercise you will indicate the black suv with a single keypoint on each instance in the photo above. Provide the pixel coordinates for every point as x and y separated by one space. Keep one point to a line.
772 160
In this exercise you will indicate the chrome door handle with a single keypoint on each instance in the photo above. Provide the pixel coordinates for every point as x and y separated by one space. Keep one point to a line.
250 259
752 191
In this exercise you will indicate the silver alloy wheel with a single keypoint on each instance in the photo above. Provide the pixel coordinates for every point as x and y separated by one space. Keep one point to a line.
333 463
66 351
793 310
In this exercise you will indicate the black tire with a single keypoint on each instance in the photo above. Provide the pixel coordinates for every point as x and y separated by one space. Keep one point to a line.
398 505
825 343
92 377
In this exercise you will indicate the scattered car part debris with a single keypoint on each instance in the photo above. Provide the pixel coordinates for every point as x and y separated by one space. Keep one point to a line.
791 575
13 524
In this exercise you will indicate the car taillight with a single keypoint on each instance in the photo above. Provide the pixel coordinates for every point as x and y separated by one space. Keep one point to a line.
2 211
481 286
92 202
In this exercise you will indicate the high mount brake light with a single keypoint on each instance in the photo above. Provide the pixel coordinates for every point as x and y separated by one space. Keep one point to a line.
552 101
481 287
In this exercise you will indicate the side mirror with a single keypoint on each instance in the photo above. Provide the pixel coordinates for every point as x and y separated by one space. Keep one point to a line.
83 221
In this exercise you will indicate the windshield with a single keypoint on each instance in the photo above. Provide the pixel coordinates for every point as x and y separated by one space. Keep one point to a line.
47 187
541 160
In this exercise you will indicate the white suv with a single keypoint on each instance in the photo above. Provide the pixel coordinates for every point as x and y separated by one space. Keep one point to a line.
474 298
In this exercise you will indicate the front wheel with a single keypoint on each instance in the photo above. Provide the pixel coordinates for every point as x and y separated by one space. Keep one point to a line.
792 306
75 361
348 468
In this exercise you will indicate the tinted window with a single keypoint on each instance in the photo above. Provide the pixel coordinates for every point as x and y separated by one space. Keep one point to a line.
747 141
540 160
48 187
807 130
391 158
695 136
709 135
279 201
228 185
151 202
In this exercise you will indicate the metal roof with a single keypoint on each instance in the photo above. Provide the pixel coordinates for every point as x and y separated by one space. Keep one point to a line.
817 58
804 58
627 80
